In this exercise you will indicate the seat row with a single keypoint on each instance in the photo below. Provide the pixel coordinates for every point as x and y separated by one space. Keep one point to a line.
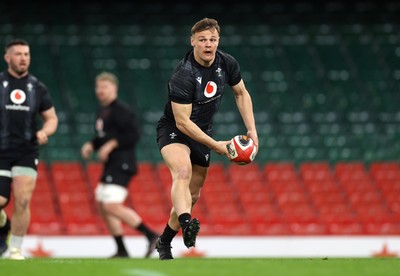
271 199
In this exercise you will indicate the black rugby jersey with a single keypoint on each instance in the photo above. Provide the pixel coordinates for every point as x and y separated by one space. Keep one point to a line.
21 100
202 87
116 121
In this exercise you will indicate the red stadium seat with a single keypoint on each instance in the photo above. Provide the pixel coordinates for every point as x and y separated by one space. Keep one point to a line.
280 171
146 173
216 173
266 212
385 228
249 173
346 228
344 167
371 212
53 227
385 170
93 170
242 186
164 175
388 186
285 186
309 228
320 199
272 229
315 171
139 185
336 212
147 198
89 225
347 171
316 186
291 198
365 198
218 187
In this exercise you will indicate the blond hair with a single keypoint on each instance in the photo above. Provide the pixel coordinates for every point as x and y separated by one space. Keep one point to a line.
107 76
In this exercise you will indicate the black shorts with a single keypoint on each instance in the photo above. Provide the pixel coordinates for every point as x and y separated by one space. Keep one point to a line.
15 158
119 168
199 153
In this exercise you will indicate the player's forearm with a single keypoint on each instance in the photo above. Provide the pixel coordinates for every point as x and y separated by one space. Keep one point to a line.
50 126
193 131
50 121
245 107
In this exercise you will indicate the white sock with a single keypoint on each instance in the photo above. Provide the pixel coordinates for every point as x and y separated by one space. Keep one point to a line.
16 241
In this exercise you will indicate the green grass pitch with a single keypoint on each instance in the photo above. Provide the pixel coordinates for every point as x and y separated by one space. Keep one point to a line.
202 267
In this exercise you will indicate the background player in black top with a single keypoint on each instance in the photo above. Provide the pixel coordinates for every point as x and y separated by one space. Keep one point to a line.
184 132
116 137
22 98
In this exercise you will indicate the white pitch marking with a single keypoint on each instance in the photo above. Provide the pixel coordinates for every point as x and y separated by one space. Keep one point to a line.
143 272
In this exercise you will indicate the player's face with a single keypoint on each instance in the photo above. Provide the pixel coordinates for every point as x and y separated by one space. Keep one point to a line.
18 58
106 91
205 45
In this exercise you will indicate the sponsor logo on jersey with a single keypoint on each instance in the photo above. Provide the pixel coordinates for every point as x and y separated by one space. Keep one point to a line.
198 79
100 128
210 90
17 97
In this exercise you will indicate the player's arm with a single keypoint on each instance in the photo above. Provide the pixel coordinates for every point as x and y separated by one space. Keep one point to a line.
105 150
245 106
50 123
87 150
185 125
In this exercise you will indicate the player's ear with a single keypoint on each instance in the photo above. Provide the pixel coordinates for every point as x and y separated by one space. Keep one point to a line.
192 41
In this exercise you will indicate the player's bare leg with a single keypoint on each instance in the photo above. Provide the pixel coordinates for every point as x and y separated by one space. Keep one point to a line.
197 181
23 187
187 181
114 226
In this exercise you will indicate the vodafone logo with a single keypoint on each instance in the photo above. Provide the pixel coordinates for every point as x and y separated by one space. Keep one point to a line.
210 90
18 96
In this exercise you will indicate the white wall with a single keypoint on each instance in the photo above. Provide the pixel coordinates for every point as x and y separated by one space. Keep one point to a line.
220 246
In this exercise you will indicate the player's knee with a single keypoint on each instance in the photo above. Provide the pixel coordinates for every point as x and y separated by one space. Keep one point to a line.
184 172
111 208
22 202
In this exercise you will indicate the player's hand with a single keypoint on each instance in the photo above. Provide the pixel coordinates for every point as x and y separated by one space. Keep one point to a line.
87 150
41 137
254 137
221 149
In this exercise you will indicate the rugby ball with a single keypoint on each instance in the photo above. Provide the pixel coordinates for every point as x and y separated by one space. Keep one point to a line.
242 149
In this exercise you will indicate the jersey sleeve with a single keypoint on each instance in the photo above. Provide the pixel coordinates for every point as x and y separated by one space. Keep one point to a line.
45 102
234 70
